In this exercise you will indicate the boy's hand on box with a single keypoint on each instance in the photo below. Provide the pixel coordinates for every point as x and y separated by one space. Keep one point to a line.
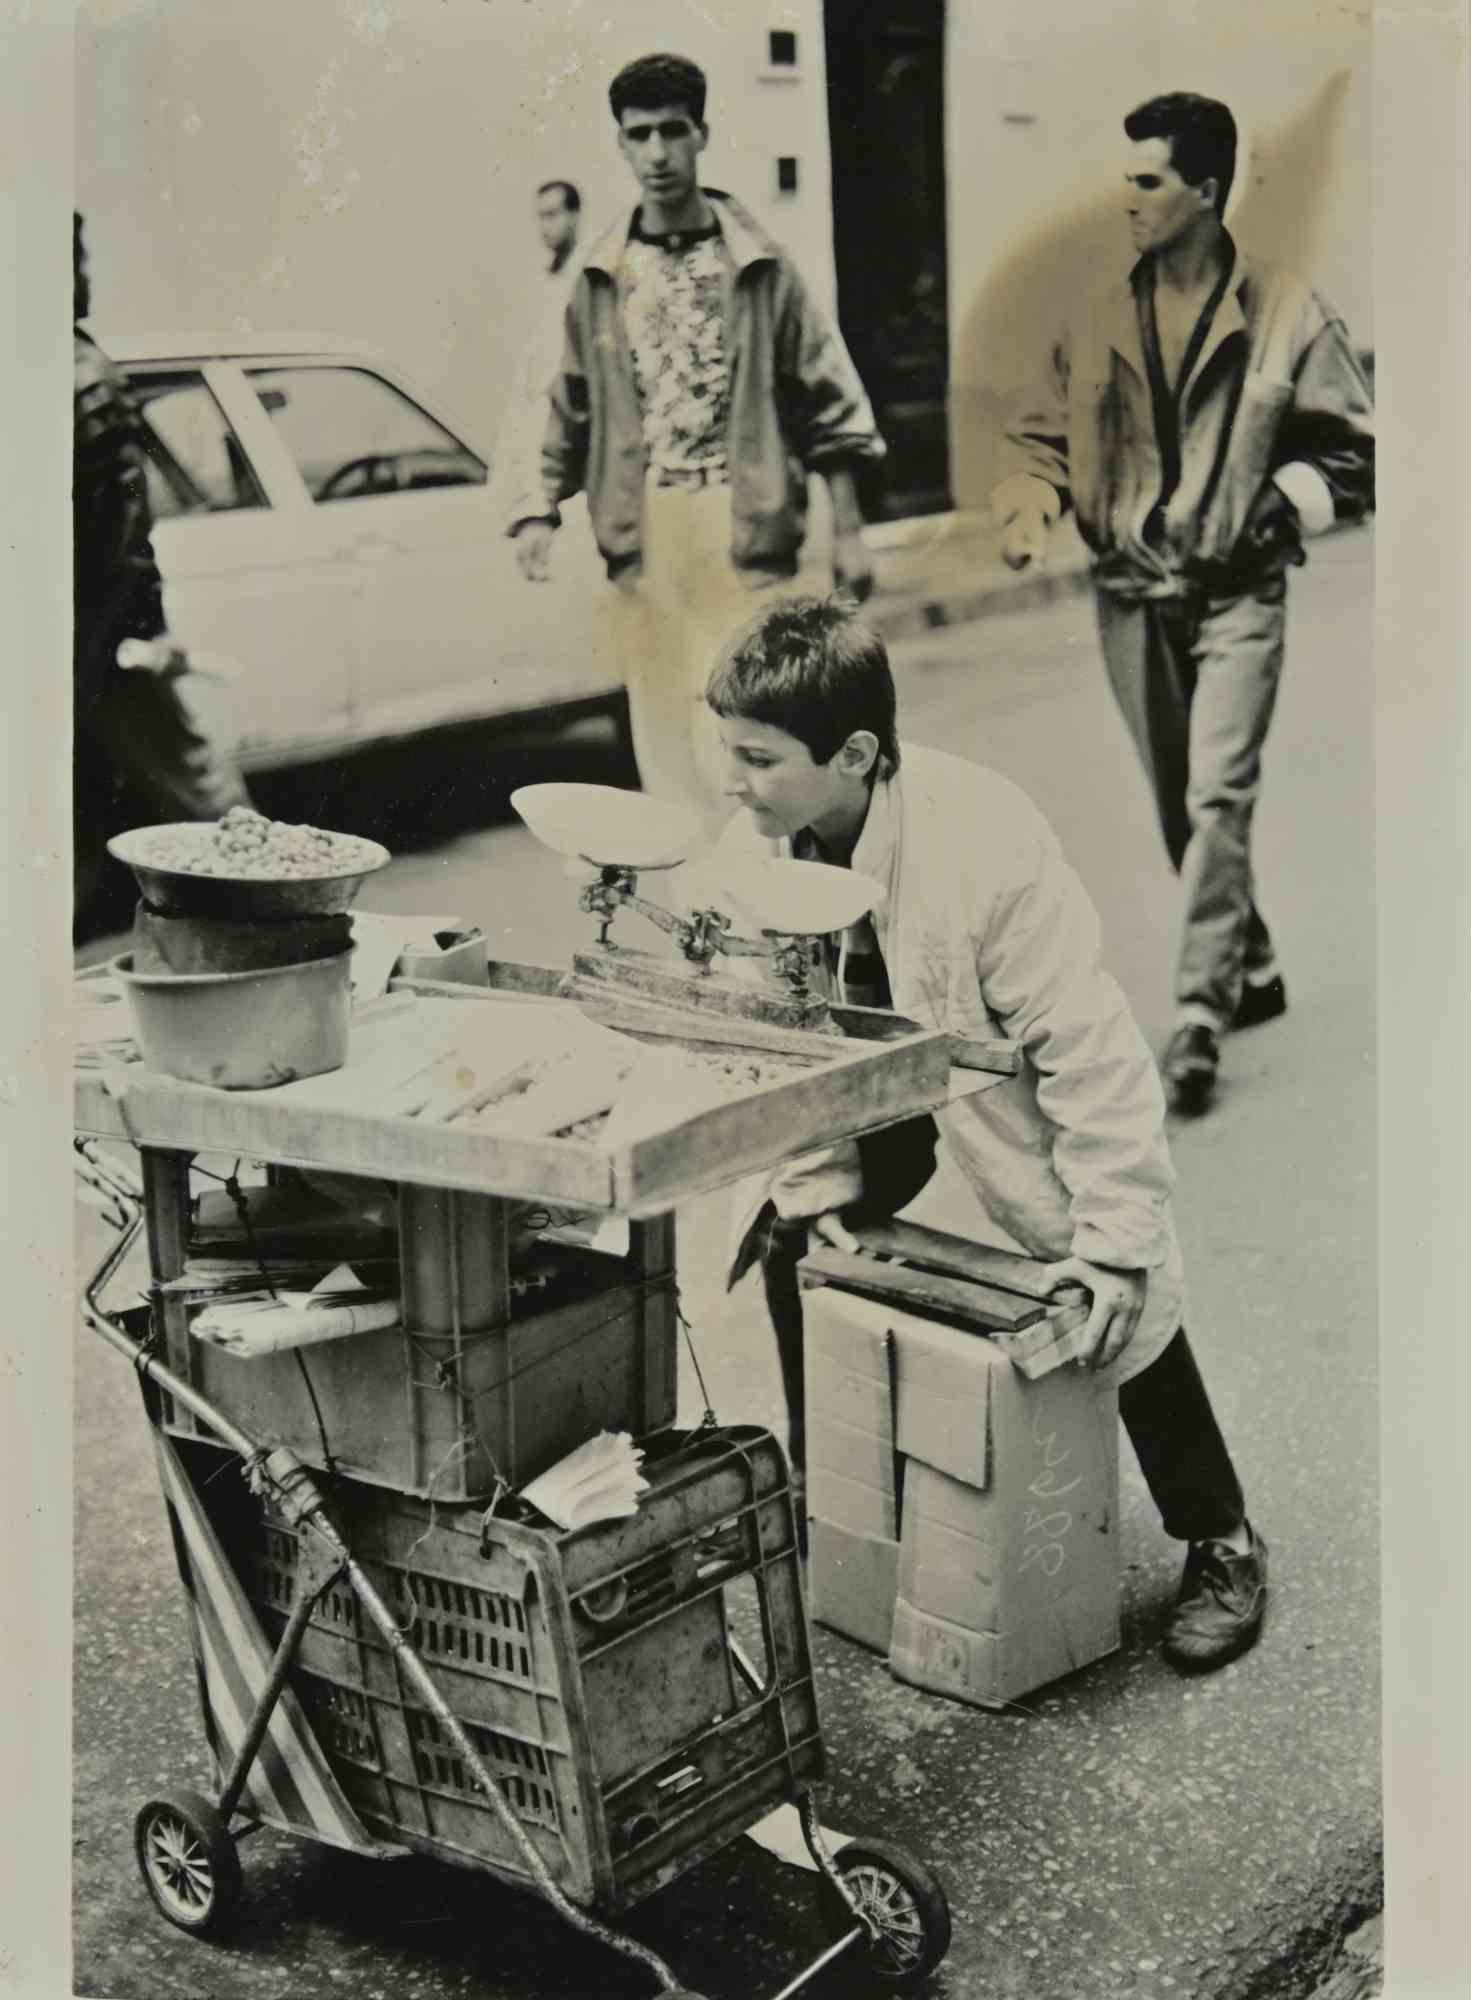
835 1233
1118 1300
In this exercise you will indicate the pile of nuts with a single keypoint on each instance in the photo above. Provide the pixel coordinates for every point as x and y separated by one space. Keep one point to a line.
248 846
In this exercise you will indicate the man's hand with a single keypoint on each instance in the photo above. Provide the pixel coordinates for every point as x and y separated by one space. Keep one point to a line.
1118 1300
533 549
1272 528
163 656
853 565
835 1233
1024 539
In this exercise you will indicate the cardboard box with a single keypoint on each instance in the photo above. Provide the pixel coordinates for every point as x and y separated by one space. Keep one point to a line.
853 1582
992 1669
994 1567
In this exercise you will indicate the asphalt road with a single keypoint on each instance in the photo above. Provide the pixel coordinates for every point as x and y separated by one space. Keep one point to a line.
1124 1834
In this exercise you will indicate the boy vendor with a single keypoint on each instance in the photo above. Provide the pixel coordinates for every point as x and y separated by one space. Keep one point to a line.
984 929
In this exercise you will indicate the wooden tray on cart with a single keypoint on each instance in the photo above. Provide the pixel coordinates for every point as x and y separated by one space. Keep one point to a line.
882 1071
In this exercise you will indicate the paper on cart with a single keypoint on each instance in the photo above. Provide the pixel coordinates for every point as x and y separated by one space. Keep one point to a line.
599 1481
382 941
102 1024
780 1833
330 1311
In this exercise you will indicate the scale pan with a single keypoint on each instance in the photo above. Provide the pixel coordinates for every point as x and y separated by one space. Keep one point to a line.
797 898
607 826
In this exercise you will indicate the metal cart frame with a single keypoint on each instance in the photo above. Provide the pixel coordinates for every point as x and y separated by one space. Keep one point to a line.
884 1905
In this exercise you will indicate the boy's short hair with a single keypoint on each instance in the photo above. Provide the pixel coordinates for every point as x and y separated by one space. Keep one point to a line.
810 666
1201 133
571 199
654 81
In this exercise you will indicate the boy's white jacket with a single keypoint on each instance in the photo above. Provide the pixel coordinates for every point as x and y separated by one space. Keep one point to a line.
986 930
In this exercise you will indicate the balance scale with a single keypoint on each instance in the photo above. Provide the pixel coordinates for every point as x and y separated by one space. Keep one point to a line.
791 905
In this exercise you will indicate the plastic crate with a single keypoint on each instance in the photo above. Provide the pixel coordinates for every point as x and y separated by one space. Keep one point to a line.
593 1671
478 1385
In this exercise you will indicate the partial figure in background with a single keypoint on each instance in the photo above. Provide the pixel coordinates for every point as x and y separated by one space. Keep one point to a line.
516 473
698 388
138 752
558 216
1202 417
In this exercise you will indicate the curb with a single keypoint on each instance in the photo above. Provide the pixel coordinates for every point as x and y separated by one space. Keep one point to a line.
1306 1944
897 611
1358 1972
910 617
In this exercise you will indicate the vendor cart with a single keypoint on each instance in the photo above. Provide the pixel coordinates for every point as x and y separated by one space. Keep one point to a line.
394 1655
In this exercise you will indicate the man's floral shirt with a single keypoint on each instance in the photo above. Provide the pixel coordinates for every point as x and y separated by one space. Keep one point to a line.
674 296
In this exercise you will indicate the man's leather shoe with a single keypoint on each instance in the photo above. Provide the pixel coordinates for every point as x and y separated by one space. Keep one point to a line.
1189 1067
1218 1613
1260 1003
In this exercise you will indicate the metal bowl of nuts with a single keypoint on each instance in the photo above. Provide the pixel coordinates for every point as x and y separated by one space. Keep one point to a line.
246 865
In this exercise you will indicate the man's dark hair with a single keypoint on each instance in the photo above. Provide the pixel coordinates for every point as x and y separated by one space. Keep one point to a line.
571 199
810 666
654 81
1202 136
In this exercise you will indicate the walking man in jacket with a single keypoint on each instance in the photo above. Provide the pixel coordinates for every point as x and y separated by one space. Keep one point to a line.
1202 418
699 387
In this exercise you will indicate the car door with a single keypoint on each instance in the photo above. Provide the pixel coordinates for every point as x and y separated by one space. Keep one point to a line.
243 588
449 630
402 500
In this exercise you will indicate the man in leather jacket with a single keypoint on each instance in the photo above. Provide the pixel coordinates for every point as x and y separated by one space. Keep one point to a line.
1201 418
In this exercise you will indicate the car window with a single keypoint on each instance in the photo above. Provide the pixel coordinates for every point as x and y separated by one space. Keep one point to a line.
352 434
195 462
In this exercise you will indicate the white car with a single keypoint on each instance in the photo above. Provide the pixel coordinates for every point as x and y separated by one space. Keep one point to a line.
331 534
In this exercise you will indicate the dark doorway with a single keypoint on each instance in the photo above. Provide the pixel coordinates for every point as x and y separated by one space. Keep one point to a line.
886 115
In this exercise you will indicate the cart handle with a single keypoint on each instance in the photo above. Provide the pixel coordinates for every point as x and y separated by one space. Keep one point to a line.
297 1491
114 1181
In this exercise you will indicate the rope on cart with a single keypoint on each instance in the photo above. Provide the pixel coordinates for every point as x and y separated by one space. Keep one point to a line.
709 1421
446 1377
462 1447
329 1463
231 1184
444 1366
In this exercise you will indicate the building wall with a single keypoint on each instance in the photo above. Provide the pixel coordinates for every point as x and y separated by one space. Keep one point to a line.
369 166
1036 93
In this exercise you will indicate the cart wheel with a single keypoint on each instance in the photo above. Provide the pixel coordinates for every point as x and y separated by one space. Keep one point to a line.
903 1898
188 1861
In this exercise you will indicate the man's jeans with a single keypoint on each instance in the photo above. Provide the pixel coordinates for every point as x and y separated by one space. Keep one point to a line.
673 617
1197 683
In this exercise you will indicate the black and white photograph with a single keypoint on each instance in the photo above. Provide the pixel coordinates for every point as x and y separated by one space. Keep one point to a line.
615 550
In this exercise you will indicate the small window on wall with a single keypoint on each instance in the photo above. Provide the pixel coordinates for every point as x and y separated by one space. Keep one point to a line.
194 462
786 174
354 436
781 65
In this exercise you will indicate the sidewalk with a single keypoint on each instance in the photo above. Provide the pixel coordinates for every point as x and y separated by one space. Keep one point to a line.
946 569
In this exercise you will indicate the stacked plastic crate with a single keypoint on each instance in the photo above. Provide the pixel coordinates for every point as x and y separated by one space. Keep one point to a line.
641 1688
